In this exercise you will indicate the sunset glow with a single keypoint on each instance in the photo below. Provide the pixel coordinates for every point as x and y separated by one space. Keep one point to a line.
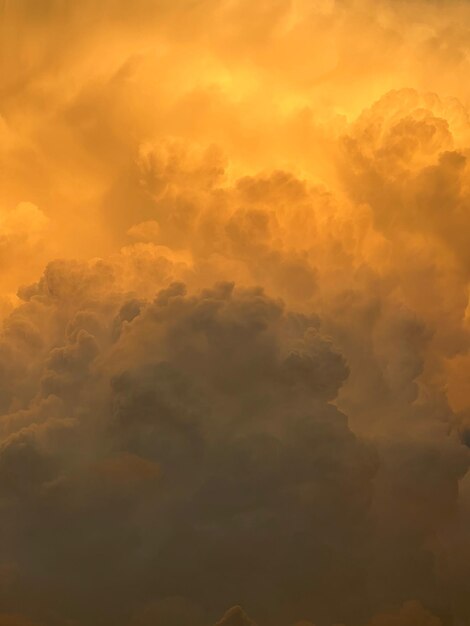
234 308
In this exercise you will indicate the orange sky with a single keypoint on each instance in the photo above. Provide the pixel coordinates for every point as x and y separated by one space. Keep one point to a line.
234 271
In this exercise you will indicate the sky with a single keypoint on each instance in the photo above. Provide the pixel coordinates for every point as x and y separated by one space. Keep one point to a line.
234 308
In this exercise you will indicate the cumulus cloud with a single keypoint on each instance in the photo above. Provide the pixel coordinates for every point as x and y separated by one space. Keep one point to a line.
196 429
235 616
234 278
411 613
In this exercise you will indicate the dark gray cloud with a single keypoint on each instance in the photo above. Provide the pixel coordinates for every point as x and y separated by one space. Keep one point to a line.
184 453
194 454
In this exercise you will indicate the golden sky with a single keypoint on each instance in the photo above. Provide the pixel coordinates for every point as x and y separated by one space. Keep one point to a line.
234 297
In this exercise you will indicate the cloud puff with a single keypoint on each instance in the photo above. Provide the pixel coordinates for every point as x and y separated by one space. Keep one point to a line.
203 424
411 614
197 432
235 616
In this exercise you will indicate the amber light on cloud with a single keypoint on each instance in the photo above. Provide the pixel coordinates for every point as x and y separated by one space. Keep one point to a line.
234 307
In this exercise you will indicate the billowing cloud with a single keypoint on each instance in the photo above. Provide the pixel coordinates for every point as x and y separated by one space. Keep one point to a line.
234 294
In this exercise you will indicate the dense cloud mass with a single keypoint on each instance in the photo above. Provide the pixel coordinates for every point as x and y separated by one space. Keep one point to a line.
234 307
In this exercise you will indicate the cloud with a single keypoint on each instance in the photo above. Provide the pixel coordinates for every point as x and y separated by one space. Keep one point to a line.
205 426
14 620
234 300
235 616
412 614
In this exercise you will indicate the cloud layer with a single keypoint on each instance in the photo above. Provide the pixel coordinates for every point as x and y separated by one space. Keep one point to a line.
234 356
